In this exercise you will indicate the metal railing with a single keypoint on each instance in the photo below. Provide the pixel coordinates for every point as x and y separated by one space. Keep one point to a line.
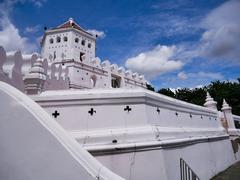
186 172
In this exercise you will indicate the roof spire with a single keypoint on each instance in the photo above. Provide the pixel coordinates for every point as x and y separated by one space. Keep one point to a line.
225 106
71 21
209 102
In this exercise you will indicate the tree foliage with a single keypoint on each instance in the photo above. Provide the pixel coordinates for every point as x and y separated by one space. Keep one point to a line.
167 92
150 87
217 89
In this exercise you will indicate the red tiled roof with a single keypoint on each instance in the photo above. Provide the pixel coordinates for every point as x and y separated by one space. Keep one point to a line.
71 24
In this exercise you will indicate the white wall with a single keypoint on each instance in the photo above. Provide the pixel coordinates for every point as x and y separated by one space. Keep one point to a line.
205 159
33 146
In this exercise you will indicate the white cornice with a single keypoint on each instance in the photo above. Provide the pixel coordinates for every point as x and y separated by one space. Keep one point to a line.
118 96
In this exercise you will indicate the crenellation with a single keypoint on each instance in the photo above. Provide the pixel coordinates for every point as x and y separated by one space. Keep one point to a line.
121 70
12 67
73 49
64 74
128 73
28 61
106 65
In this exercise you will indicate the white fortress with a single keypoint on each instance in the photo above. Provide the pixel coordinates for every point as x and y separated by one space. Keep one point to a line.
71 46
81 118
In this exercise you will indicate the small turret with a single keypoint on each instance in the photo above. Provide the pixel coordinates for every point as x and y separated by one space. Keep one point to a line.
35 79
210 103
225 106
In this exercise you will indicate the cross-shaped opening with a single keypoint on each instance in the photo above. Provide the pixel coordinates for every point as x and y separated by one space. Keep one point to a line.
127 108
91 111
55 114
158 110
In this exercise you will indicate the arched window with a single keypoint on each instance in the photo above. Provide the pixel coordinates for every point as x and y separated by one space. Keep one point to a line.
116 82
65 39
51 41
76 40
58 39
93 81
83 42
81 56
89 45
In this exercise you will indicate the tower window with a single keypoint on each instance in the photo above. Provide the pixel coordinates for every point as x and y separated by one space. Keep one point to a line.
89 45
76 40
51 41
116 82
81 56
93 81
83 42
58 39
65 39
54 55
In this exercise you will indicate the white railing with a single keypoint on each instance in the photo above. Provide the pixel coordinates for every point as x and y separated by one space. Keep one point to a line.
186 172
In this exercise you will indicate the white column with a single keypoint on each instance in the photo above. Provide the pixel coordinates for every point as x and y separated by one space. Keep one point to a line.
228 116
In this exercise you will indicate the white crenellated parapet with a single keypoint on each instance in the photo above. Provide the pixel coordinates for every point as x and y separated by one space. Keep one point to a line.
51 77
95 74
141 77
14 65
210 103
96 62
57 77
45 65
58 71
128 73
106 64
53 74
12 68
64 74
28 61
135 75
114 68
121 70
10 63
3 58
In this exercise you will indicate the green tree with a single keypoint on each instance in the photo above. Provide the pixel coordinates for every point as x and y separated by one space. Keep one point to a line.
226 90
150 87
219 90
167 92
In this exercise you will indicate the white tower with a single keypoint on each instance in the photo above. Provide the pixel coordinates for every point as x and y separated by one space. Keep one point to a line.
73 47
68 42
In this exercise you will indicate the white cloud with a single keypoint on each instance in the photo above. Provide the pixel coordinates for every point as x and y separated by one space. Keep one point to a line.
174 90
200 75
199 86
182 75
95 32
32 29
10 37
222 36
38 3
155 62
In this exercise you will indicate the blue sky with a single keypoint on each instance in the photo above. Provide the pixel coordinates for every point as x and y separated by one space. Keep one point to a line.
178 43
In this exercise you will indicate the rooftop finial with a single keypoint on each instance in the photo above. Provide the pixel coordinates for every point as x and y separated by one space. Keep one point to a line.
208 95
71 21
209 102
225 105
